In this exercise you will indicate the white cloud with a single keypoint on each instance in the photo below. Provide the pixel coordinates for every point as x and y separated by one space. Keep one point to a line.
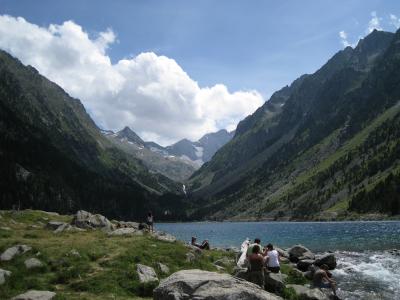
395 21
152 94
374 23
344 40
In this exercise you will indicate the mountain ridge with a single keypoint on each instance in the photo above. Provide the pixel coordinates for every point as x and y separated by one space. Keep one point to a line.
334 98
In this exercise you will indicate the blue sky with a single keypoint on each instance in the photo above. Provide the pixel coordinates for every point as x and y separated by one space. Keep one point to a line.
261 45
245 45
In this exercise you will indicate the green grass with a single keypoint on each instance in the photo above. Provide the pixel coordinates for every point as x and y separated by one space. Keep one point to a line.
105 268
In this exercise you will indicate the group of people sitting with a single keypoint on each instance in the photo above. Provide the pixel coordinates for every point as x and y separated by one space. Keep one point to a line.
257 260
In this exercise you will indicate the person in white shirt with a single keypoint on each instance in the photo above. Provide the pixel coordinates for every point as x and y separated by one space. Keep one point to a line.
272 259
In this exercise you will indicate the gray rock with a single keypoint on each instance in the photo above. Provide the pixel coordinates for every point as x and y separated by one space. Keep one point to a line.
282 253
3 275
74 252
306 293
35 295
241 273
190 257
33 263
84 219
303 265
10 253
53 225
123 224
162 236
163 268
123 231
275 282
299 252
327 259
197 284
195 250
146 273
5 228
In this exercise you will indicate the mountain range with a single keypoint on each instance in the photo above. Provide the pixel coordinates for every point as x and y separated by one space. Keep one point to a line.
325 147
178 161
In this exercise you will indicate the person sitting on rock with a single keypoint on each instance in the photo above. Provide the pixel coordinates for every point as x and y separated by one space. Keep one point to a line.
257 242
272 259
322 280
204 245
256 266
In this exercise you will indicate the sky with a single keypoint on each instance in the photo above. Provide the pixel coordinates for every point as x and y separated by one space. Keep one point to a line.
180 69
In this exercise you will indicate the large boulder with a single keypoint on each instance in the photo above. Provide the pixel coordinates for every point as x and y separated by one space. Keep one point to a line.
10 253
35 295
3 275
275 282
146 273
197 284
303 265
305 293
84 219
33 263
327 259
241 273
299 252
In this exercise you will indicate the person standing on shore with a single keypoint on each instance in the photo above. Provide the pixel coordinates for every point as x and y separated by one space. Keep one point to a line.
150 221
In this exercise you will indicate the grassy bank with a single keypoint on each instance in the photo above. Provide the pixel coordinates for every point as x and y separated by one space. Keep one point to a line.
104 268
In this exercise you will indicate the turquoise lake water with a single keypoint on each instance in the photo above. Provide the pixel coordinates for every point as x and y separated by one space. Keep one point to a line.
366 269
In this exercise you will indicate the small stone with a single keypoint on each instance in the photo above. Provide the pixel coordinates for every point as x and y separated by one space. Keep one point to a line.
163 268
35 295
3 275
33 263
146 273
5 228
190 257
75 253
53 225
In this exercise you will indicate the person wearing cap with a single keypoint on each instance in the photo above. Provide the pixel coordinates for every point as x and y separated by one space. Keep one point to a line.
205 245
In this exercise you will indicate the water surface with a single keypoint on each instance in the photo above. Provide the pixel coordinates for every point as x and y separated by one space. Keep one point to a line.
366 269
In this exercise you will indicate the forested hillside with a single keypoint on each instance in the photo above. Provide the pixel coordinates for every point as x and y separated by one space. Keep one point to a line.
324 147
53 156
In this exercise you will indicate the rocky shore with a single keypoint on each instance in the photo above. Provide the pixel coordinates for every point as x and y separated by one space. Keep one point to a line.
86 256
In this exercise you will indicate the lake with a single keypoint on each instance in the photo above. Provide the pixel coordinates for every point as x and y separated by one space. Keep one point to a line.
366 270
